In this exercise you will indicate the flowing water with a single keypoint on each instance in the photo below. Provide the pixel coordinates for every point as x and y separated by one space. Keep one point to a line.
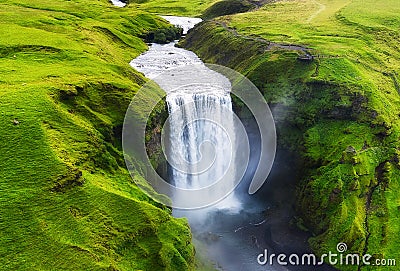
236 230
201 147
118 3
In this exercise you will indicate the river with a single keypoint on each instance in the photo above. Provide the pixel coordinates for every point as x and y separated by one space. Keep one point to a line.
232 233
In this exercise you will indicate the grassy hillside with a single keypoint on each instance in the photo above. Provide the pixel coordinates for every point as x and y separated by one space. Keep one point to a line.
340 110
227 7
66 200
173 7
200 8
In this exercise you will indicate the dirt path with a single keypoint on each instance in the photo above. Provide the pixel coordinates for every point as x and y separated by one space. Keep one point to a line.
269 44
322 7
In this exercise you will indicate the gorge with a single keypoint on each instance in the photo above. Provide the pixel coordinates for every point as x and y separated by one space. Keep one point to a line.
72 198
234 231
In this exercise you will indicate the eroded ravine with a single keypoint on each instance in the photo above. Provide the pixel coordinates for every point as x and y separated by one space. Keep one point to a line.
233 239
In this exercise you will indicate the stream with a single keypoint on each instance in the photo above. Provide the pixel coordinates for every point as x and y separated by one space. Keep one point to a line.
232 233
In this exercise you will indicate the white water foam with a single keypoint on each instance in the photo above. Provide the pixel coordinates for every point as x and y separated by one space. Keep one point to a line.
118 3
199 103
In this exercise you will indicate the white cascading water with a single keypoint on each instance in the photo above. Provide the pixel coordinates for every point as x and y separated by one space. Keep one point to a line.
230 239
202 143
199 148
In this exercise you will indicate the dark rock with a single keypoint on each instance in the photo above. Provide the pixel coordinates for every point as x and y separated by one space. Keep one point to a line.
366 146
351 150
306 57
71 179
374 114
334 196
337 191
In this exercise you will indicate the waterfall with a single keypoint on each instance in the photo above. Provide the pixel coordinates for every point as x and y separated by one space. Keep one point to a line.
203 141
200 147
200 140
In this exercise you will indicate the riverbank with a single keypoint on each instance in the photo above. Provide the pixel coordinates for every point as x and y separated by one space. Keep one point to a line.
264 221
67 200
330 110
65 85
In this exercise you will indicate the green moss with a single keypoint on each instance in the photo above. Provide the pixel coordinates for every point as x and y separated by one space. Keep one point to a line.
172 7
226 7
164 35
340 110
67 200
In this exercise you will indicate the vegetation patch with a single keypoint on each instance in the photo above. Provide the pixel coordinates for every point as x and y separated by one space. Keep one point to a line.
340 109
67 200
227 7
164 35
178 8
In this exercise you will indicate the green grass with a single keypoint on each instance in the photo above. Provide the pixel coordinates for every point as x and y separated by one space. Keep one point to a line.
226 7
67 202
346 99
173 7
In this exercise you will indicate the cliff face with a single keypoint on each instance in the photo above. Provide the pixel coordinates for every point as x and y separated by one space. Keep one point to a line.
67 200
343 123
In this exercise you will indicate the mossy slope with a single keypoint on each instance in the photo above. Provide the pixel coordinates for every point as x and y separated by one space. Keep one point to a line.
227 7
340 110
67 201
173 7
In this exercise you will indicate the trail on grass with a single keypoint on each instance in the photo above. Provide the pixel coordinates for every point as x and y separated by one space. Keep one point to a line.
322 7
269 44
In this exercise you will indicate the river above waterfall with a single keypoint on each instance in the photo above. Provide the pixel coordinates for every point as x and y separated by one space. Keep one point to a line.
202 134
118 3
232 233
